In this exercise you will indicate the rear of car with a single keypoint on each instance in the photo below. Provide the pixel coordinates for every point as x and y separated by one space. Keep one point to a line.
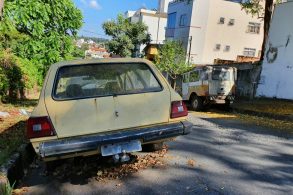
104 106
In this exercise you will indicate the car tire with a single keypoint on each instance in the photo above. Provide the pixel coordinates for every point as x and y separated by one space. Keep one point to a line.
152 147
196 103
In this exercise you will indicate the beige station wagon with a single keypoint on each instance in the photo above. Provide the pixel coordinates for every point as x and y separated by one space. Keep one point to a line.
107 107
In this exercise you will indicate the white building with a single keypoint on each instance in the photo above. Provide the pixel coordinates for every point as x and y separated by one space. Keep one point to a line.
156 20
277 71
214 29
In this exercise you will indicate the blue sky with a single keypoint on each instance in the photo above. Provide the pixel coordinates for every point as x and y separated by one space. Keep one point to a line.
95 12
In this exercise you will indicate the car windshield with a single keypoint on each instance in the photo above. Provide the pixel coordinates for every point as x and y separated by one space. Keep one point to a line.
85 81
222 75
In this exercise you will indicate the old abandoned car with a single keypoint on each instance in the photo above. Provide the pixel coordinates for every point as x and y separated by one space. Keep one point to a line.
108 107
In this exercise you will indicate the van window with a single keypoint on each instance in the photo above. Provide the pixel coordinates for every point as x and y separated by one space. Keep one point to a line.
86 81
194 76
221 75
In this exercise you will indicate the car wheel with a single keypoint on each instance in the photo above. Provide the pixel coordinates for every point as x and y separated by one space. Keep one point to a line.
152 147
196 103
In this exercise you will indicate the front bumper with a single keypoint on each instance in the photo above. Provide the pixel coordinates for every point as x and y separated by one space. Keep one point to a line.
93 142
221 99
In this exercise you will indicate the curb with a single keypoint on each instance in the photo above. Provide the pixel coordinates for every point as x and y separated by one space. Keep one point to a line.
288 118
14 168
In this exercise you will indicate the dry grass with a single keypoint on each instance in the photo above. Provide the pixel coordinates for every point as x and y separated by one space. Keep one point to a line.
255 120
280 107
12 128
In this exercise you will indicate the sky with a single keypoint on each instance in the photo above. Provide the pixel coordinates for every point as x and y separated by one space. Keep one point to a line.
95 12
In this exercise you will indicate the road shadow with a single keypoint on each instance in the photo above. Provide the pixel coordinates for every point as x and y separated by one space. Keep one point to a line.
243 149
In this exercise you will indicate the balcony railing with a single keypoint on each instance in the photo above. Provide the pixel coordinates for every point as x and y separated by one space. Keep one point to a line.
179 1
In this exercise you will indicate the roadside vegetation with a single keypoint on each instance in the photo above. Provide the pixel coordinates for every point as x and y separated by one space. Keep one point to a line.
171 59
12 128
33 35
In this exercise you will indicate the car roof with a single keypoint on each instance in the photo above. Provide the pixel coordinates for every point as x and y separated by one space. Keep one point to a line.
101 61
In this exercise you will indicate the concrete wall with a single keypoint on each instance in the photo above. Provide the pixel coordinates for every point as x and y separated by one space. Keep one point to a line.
156 27
247 81
235 36
277 73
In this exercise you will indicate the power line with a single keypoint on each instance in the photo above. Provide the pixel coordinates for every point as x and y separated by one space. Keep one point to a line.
87 31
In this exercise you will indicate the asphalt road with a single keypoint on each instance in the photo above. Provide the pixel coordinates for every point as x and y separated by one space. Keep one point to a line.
220 156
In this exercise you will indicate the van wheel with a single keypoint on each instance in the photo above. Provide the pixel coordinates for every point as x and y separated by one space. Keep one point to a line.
227 105
152 147
196 103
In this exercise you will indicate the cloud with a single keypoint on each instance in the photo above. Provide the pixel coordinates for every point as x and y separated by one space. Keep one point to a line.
94 4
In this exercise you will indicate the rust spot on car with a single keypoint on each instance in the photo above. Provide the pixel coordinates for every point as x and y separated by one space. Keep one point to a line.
96 105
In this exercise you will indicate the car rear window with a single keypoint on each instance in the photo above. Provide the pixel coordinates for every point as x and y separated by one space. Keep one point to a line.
94 80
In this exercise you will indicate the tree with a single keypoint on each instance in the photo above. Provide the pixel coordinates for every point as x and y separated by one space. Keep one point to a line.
172 60
50 26
126 36
256 8
33 35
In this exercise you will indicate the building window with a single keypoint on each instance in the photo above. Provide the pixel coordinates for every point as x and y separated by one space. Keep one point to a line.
249 52
218 47
227 48
171 20
222 20
253 28
231 22
183 20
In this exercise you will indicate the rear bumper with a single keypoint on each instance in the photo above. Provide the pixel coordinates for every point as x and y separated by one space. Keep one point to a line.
93 142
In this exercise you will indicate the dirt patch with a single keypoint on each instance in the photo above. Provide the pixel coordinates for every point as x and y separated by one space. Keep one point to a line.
12 127
95 168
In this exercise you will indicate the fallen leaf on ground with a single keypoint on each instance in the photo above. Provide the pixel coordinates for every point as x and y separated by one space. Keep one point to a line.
191 162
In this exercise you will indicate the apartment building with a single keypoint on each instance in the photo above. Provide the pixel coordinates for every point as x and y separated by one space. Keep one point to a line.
156 20
213 30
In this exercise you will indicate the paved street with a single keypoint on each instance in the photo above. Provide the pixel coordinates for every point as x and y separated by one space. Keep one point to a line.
220 156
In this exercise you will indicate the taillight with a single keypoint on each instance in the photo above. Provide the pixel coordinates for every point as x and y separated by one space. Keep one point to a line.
39 127
178 109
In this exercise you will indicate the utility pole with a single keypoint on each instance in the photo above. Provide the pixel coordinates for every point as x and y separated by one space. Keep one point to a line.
158 28
189 52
